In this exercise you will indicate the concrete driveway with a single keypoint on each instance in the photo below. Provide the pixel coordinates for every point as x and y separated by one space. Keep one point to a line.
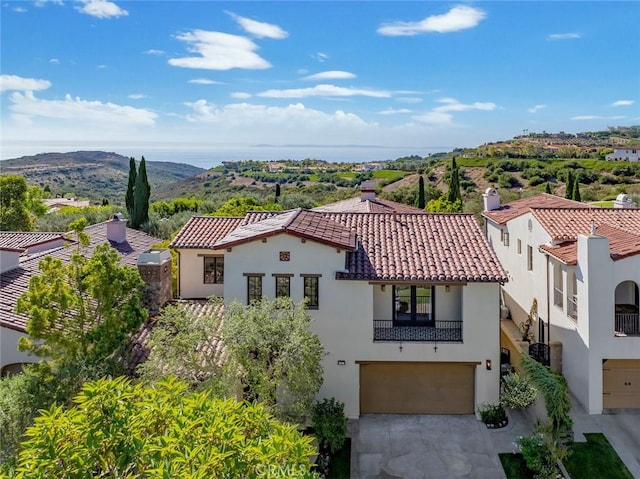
386 446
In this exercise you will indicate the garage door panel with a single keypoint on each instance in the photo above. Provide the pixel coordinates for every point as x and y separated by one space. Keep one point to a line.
621 383
417 388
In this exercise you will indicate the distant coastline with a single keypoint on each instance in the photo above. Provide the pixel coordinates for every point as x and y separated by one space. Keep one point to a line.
208 156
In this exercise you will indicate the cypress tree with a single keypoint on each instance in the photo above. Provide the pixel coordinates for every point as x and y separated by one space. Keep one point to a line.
453 194
129 198
421 201
576 191
277 191
569 192
548 189
142 193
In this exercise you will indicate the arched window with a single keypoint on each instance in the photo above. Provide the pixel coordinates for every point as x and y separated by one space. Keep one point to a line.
626 309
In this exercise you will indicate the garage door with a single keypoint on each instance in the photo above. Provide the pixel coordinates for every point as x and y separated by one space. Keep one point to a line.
416 388
621 383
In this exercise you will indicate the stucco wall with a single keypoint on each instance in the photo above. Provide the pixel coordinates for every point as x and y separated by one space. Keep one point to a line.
9 353
191 275
344 319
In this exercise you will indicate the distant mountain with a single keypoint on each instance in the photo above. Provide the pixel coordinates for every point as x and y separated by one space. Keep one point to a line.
92 174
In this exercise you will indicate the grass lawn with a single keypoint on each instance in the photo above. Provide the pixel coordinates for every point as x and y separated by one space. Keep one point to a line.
595 458
389 174
340 465
514 466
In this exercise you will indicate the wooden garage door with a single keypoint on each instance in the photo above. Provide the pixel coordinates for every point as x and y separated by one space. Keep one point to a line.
416 388
621 383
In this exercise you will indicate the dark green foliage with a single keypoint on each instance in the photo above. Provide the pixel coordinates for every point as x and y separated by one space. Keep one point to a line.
340 463
453 193
329 424
569 182
595 458
514 465
14 213
129 198
538 457
492 414
142 192
576 191
421 198
277 191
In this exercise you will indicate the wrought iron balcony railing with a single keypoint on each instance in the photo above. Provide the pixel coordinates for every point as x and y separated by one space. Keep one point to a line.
435 331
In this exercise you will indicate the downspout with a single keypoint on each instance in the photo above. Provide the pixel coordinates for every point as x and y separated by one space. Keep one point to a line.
548 308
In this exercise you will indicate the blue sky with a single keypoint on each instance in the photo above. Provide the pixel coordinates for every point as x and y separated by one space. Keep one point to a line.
368 79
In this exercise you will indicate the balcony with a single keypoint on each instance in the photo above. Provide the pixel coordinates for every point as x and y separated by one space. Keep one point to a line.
627 324
572 307
435 331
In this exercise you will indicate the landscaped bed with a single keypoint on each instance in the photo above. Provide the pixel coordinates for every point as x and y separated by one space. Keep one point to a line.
595 458
340 465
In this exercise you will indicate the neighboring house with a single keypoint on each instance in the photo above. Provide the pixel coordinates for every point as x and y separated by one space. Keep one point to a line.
18 267
582 265
630 153
406 304
55 204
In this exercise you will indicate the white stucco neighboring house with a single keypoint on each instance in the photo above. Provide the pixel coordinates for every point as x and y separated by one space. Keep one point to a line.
582 265
21 253
629 153
405 303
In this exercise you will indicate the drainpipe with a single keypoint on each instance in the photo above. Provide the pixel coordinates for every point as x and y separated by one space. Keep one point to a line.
548 309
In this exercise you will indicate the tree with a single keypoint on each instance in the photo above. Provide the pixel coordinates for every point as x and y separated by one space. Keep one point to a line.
443 205
81 311
240 206
129 198
453 194
274 355
14 212
119 429
277 192
141 194
421 198
547 188
576 190
569 185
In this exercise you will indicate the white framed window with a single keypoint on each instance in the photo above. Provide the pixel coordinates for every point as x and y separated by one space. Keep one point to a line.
529 258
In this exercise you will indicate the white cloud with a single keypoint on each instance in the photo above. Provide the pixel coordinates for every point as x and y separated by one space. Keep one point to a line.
241 95
564 36
435 118
321 57
153 51
393 111
204 81
451 104
13 82
536 108
137 96
56 61
42 3
27 106
324 90
409 99
460 17
331 75
598 117
259 29
219 51
622 103
102 9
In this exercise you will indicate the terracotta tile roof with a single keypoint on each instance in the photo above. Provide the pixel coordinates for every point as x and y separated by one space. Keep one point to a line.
622 244
377 205
204 231
568 223
16 281
306 224
24 240
137 351
419 247
516 208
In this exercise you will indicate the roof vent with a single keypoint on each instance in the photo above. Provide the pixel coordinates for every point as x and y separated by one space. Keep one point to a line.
117 229
624 201
491 199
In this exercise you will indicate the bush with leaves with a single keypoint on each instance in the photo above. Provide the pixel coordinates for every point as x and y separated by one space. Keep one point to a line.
118 429
329 424
537 453
517 392
492 414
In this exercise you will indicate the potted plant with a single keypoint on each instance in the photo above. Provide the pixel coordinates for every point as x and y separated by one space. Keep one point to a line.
493 415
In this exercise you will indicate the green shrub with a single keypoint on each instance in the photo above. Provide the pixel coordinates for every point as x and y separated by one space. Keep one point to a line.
538 456
517 392
492 414
329 424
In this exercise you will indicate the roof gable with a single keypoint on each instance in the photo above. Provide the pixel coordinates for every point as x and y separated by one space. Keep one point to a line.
517 208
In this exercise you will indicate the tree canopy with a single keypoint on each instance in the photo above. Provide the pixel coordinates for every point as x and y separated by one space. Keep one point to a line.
129 198
118 429
240 206
453 193
19 204
141 194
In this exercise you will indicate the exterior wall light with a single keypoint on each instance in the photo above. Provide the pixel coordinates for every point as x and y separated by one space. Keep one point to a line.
488 362
341 362
383 287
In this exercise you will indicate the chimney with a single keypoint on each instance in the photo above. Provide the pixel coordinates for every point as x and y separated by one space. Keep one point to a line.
117 229
154 266
9 258
368 191
491 199
624 201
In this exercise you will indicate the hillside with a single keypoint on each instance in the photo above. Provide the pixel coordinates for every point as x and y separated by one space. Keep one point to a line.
92 174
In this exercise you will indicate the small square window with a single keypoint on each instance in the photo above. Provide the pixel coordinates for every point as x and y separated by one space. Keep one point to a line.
213 270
